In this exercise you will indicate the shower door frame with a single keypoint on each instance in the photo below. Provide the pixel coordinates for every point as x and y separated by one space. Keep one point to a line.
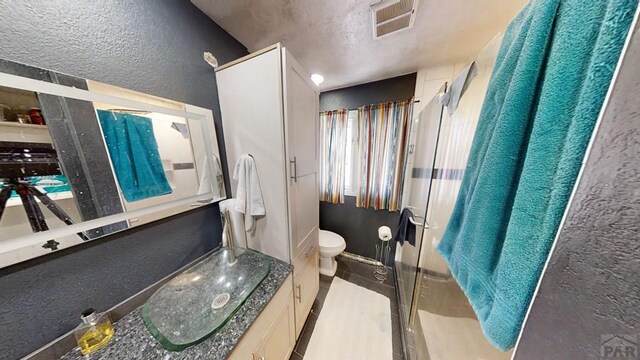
405 328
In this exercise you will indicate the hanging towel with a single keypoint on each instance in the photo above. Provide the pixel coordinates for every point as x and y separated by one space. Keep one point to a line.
183 129
205 178
219 176
548 85
459 86
406 230
134 155
248 195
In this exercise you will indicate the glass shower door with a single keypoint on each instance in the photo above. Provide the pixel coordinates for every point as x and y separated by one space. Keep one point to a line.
418 174
443 324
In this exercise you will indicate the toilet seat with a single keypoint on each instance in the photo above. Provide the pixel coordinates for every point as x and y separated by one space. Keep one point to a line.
331 240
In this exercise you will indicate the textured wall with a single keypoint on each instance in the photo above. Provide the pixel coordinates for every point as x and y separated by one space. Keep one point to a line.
397 88
150 46
591 286
359 226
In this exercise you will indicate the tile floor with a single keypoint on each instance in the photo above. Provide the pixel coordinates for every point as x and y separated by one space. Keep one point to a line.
362 275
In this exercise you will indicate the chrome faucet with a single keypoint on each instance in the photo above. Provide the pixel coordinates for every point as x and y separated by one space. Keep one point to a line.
227 237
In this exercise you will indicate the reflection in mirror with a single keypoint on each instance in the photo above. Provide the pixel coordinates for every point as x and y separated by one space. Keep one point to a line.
65 161
44 182
156 158
177 142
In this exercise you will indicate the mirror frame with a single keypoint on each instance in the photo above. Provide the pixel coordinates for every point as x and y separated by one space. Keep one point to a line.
10 249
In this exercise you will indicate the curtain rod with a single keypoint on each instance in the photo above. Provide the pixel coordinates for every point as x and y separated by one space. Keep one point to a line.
414 101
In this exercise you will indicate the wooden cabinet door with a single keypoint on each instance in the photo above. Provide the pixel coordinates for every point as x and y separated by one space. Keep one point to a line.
304 214
301 117
306 283
301 132
279 342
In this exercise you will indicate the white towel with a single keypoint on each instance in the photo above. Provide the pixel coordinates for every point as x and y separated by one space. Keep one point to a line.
460 85
205 178
248 195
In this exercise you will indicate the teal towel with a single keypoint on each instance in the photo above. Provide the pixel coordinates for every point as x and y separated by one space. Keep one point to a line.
549 83
134 154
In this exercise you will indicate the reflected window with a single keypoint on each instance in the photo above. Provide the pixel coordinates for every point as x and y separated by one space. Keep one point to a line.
351 161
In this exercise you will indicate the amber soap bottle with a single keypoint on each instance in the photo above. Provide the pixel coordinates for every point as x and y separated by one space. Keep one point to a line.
94 332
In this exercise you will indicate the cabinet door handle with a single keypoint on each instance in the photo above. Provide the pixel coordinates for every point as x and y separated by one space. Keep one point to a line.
294 171
299 296
309 252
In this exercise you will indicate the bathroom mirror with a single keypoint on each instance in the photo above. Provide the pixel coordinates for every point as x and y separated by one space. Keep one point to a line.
81 159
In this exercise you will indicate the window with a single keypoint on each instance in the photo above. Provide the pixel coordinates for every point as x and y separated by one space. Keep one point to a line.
351 161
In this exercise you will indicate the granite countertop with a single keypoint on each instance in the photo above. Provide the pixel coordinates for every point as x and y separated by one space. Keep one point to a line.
132 340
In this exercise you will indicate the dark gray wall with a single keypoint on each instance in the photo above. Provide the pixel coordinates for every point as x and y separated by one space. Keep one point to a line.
43 298
397 88
360 226
591 287
150 46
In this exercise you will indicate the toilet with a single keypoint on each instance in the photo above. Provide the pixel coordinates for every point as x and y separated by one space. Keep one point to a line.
331 245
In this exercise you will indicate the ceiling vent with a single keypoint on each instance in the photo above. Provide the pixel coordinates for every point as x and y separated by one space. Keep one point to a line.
390 16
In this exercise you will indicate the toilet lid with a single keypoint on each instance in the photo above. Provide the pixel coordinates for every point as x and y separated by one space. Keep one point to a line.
330 239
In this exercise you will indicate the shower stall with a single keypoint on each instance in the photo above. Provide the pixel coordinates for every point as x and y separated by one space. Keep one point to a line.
437 321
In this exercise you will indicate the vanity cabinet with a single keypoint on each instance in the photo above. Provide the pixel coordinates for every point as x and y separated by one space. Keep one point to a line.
280 339
306 284
270 110
272 335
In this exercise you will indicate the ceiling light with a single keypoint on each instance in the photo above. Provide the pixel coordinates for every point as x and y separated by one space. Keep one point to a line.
317 79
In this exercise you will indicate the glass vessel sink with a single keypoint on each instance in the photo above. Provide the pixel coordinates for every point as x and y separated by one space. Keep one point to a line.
193 305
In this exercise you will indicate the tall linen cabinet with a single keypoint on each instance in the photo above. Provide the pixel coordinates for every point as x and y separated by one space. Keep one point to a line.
270 111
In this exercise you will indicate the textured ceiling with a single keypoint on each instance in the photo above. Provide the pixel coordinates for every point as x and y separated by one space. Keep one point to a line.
334 38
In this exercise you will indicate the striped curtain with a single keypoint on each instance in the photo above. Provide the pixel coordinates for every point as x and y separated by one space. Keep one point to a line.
333 146
384 136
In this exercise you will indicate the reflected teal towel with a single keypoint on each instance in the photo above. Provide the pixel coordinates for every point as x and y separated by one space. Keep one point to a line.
549 83
134 154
